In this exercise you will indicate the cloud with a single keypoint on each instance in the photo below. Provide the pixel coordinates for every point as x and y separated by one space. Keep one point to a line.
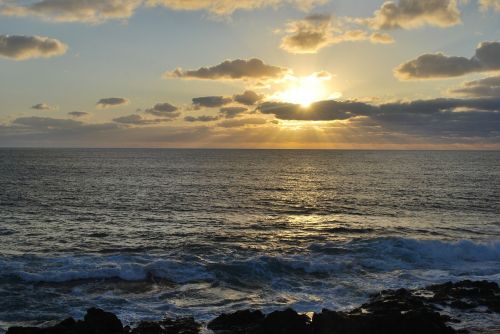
232 69
211 101
438 65
225 7
235 123
98 11
407 14
43 106
308 35
112 102
232 112
487 4
318 31
136 119
163 110
204 118
487 87
90 11
47 123
57 126
248 98
437 117
78 114
381 38
320 111
27 47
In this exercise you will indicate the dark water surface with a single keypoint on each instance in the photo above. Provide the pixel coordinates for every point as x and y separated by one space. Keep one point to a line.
148 232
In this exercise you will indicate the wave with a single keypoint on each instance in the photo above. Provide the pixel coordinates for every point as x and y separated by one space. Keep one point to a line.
328 260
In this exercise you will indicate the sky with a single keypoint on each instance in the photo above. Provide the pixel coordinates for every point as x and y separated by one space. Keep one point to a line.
326 74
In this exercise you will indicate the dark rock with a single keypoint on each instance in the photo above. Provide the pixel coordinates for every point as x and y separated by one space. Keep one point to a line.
467 294
285 322
185 325
147 327
101 322
238 322
413 322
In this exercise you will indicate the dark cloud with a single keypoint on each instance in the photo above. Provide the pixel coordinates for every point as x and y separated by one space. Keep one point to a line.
27 47
136 119
111 102
437 117
430 66
211 101
78 114
319 111
231 112
235 123
488 87
204 118
248 98
43 106
232 69
163 110
407 14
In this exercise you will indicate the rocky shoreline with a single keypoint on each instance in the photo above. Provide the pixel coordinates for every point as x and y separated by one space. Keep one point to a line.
431 310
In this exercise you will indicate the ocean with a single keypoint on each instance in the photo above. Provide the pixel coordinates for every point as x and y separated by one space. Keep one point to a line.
149 232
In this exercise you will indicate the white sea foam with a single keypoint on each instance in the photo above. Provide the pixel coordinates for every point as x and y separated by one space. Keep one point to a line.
462 258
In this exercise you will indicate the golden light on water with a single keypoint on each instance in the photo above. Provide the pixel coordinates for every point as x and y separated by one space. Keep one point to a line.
306 90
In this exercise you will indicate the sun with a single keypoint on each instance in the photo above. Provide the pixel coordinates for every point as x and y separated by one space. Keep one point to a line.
304 90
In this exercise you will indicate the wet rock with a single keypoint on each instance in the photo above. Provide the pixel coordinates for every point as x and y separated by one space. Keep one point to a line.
467 294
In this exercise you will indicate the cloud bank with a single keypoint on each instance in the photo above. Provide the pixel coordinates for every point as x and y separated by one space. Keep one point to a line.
27 47
437 117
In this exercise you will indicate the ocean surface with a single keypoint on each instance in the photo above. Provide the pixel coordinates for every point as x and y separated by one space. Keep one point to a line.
144 233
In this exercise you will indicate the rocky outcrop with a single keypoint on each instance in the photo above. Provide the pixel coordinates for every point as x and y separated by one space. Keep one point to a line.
389 312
